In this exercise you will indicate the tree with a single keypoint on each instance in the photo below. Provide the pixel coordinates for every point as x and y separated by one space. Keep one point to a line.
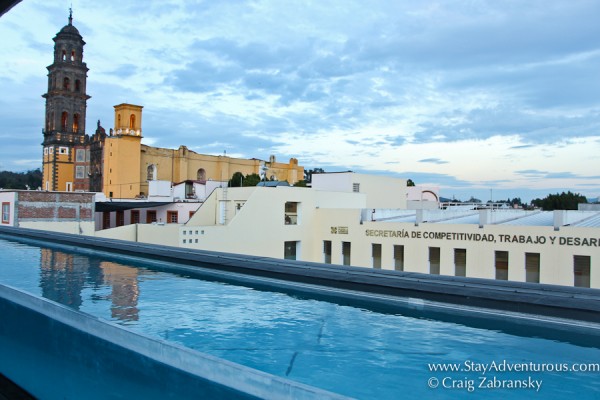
563 201
238 180
21 180
410 183
308 173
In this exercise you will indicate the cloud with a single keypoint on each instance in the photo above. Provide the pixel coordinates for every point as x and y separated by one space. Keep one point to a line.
433 161
467 94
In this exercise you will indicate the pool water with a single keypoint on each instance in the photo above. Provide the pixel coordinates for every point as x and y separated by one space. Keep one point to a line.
348 350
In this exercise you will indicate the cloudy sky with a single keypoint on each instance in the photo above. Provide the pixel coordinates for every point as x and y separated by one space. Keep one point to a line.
481 98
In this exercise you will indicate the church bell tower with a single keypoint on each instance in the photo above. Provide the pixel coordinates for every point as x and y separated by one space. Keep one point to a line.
64 158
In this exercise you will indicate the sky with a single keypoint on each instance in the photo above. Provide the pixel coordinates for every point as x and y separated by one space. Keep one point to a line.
488 99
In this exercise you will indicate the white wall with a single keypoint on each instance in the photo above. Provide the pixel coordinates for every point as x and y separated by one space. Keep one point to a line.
8 197
381 191
74 227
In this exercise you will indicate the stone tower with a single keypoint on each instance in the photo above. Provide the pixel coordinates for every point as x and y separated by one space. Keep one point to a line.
65 160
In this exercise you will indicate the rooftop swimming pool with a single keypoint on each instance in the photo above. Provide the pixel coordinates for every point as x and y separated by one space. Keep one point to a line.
351 350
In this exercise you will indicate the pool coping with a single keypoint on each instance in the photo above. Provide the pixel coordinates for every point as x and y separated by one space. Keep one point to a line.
557 301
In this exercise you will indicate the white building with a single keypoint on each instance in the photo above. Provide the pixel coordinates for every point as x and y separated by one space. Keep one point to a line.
364 224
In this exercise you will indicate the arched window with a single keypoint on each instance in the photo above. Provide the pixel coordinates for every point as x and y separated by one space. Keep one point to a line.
118 121
64 55
132 121
66 83
77 85
63 121
151 175
201 175
72 55
76 123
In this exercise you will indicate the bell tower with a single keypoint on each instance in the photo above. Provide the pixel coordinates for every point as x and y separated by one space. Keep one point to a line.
66 102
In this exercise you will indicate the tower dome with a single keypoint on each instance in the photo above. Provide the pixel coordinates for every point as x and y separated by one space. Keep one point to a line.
69 29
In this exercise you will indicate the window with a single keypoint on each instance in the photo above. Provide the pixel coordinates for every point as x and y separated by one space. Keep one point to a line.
460 262
399 257
63 120
63 150
192 214
132 121
327 251
201 174
532 267
356 187
150 216
66 84
69 186
291 213
6 213
77 85
434 260
346 247
105 220
135 216
75 122
80 172
581 270
72 55
151 173
120 218
64 55
172 217
80 155
376 253
501 265
290 249
118 121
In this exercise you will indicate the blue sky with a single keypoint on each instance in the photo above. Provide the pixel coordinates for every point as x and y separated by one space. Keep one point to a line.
481 98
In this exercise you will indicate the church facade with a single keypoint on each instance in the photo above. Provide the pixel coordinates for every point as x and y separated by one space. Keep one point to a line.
117 163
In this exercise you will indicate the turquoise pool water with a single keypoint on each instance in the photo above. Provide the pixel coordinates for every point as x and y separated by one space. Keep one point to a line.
349 350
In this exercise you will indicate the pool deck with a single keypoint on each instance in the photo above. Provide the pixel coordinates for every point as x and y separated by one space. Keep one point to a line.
580 304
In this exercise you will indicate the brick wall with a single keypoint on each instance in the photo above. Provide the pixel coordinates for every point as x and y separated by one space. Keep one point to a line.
54 206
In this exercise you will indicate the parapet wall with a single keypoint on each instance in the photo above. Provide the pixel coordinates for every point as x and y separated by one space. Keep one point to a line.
54 352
